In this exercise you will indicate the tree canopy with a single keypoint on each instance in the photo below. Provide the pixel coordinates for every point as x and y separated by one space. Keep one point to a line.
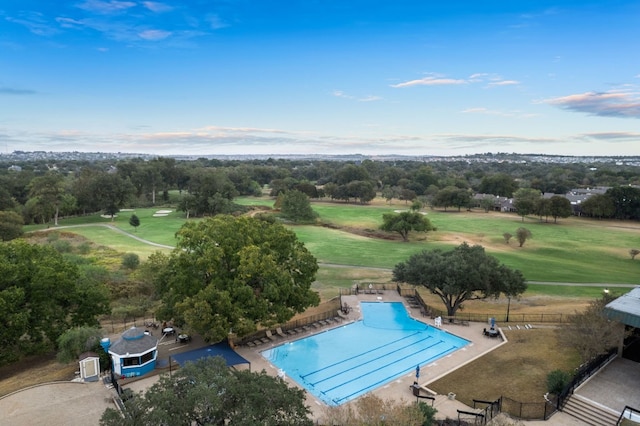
525 201
295 206
231 273
207 392
41 296
405 222
590 332
464 273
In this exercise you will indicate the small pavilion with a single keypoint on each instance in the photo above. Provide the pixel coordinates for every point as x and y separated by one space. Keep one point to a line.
134 354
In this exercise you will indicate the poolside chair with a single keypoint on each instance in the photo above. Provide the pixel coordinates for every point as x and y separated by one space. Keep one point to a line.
270 336
280 333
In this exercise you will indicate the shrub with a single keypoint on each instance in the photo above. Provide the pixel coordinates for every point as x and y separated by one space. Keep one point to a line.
557 380
84 248
130 261
62 246
52 236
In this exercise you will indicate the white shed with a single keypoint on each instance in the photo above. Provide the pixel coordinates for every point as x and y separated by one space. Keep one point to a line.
89 367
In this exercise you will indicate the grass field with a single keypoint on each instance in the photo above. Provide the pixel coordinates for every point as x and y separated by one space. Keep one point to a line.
573 250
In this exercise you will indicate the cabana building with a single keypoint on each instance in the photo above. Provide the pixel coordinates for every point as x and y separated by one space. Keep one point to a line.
134 354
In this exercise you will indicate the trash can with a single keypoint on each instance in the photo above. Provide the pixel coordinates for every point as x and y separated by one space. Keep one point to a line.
416 390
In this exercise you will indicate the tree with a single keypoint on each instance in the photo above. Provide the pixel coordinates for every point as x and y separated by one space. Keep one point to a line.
487 203
560 207
633 253
373 410
295 206
500 184
10 225
49 190
207 392
523 234
524 200
231 273
41 296
134 221
75 341
464 273
111 192
507 237
405 222
452 196
543 208
599 206
363 190
626 201
590 332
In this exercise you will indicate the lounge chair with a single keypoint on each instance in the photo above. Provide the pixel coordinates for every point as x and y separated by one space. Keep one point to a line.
270 336
280 333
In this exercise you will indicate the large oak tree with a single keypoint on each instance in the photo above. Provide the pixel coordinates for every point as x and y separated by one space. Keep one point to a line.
231 273
207 392
405 222
464 273
41 296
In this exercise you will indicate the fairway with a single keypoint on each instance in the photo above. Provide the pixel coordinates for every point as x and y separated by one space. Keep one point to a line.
574 250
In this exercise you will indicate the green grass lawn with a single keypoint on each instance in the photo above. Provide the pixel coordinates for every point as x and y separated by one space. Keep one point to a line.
573 250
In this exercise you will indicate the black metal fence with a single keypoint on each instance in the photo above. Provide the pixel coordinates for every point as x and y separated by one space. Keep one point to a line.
584 372
630 417
527 410
330 310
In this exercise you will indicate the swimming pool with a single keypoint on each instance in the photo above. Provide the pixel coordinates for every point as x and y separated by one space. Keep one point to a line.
343 363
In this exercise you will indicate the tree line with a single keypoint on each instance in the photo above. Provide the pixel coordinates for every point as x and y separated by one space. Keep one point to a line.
41 193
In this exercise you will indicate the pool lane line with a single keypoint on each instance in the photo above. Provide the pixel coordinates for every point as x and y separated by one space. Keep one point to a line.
363 353
386 354
386 379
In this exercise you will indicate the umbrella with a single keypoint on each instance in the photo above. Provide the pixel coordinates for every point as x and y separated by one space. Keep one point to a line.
417 371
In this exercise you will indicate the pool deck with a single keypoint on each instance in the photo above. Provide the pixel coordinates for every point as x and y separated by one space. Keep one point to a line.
399 389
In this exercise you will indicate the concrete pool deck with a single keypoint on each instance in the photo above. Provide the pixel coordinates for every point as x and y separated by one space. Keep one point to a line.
398 389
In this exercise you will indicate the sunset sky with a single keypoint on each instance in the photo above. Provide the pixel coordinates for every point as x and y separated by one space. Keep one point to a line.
320 77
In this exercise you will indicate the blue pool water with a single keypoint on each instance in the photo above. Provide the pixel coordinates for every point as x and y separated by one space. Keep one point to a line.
343 363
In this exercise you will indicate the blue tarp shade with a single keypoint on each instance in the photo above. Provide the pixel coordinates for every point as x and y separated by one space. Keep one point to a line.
219 349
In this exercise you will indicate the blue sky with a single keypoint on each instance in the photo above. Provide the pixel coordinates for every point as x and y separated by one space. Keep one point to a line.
320 76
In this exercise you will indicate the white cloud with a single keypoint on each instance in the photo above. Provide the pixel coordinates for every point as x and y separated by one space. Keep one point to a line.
439 80
623 104
430 81
614 136
153 35
216 22
106 7
35 22
157 7
504 83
